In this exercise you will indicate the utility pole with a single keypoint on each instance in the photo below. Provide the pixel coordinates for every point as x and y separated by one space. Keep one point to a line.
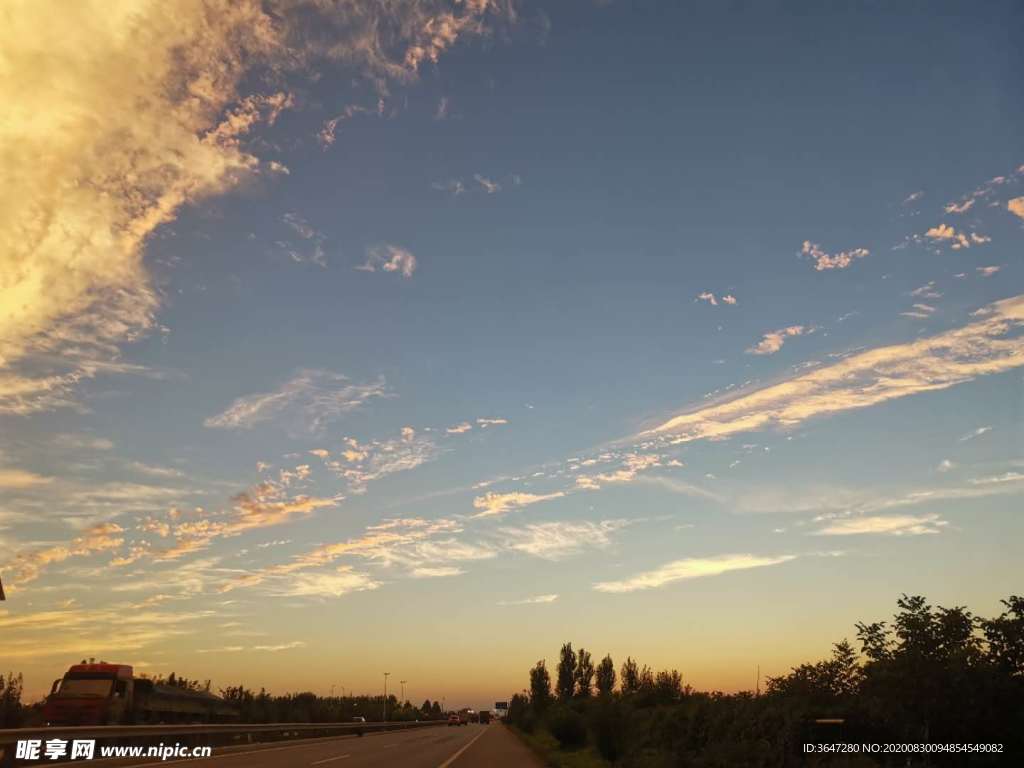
758 686
386 696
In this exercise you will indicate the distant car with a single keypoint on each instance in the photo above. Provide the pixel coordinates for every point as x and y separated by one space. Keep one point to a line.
454 719
358 719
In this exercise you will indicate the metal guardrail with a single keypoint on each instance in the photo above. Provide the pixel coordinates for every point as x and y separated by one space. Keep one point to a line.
241 733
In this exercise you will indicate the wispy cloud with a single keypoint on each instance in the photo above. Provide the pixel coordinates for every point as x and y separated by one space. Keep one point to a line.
312 398
340 582
558 540
772 341
454 187
987 271
18 479
489 185
389 258
361 463
920 311
690 568
823 260
535 600
892 525
312 249
26 566
926 291
495 504
985 346
974 433
711 299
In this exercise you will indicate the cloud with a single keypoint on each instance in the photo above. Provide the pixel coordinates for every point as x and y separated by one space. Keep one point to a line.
958 240
264 506
773 340
535 600
304 231
1016 206
926 291
823 260
945 466
489 186
690 568
711 299
146 110
987 271
26 566
389 258
893 525
342 581
312 398
495 504
985 346
427 572
913 197
18 479
362 463
459 429
973 434
558 540
961 207
1006 477
485 423
920 311
453 187
631 465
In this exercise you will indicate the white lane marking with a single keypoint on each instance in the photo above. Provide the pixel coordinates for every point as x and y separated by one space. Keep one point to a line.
329 760
455 757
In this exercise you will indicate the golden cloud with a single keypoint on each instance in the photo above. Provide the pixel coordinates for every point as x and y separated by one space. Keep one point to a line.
984 346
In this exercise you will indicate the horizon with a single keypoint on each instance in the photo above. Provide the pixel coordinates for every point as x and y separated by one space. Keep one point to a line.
425 339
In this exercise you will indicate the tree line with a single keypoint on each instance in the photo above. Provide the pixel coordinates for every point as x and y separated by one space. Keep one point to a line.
928 675
252 706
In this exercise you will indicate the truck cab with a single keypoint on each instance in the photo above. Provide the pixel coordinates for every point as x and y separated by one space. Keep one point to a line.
91 694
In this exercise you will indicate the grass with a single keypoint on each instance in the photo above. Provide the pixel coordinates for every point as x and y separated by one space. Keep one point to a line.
545 746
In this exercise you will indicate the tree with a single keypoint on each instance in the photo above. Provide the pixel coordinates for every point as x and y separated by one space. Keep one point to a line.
540 686
566 683
425 709
668 686
436 709
606 676
630 676
584 674
10 701
1005 637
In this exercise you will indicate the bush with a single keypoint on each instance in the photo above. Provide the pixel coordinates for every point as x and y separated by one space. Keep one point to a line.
607 724
568 727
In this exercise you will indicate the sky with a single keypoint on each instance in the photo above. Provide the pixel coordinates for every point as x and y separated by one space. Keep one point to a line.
348 338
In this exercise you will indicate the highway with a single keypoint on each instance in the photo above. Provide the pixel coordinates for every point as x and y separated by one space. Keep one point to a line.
486 746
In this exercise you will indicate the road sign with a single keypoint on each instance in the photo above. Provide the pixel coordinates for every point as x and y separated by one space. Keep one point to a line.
501 705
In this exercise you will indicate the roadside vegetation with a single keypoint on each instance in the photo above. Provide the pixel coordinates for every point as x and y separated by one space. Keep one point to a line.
935 675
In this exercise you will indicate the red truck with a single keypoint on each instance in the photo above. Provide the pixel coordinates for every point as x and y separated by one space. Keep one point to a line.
110 694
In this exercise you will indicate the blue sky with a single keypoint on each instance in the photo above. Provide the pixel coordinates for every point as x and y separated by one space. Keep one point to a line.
686 333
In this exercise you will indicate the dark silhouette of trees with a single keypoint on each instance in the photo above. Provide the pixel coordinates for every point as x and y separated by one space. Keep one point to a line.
540 687
606 676
630 676
929 674
584 674
566 683
11 709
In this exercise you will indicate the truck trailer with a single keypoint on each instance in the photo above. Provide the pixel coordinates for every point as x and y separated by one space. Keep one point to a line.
110 694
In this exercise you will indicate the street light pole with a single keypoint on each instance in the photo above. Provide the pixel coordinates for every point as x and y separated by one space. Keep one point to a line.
386 696
403 682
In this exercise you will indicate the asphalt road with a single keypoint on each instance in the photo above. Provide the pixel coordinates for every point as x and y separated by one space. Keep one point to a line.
486 746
